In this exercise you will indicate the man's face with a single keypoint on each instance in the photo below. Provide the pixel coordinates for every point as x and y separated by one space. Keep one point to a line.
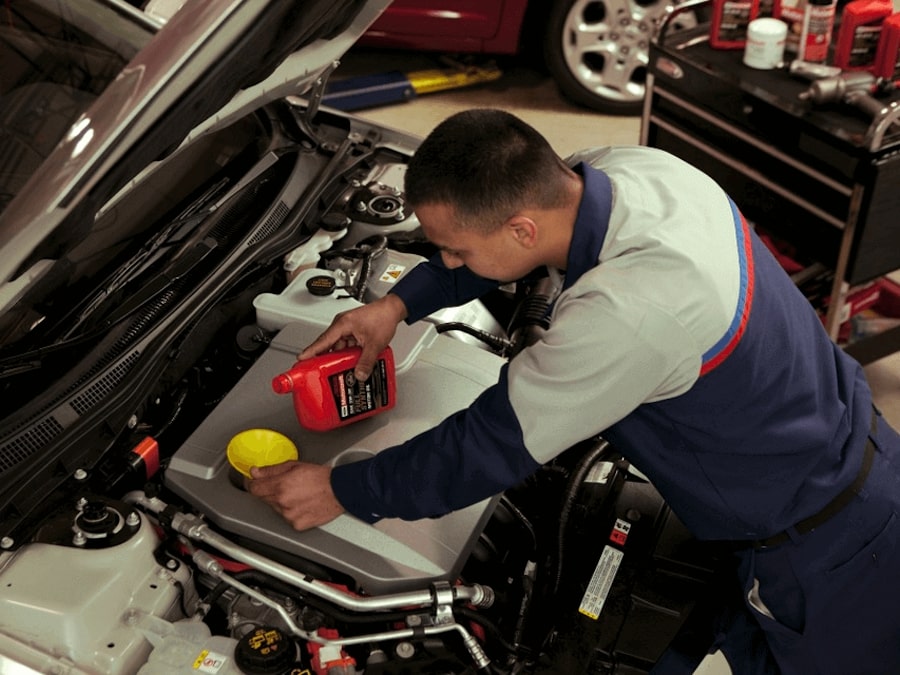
492 256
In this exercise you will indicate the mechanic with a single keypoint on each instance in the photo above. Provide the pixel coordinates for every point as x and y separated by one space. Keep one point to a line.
678 337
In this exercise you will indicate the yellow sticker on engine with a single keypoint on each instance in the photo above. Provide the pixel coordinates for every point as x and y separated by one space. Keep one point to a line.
209 662
392 273
601 582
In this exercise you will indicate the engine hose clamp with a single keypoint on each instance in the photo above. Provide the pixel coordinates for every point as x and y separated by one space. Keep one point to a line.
443 596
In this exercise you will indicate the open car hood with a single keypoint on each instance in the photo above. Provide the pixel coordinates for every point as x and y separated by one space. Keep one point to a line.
212 62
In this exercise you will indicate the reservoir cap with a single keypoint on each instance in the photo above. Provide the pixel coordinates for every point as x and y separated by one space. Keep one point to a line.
321 285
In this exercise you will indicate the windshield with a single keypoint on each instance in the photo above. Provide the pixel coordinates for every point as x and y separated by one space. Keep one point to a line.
57 57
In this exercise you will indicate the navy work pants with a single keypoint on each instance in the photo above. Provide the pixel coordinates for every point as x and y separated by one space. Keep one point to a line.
828 602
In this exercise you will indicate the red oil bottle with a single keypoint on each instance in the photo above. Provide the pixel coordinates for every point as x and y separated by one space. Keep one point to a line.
887 58
327 394
859 32
729 23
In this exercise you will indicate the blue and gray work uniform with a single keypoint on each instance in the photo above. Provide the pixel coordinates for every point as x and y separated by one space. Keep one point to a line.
678 337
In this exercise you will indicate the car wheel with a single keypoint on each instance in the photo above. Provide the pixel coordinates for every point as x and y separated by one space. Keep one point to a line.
598 50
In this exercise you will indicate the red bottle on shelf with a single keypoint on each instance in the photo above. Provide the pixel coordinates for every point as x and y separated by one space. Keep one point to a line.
859 33
887 56
729 23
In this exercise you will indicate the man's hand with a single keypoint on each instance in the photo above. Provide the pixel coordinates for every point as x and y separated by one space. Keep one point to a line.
370 327
298 491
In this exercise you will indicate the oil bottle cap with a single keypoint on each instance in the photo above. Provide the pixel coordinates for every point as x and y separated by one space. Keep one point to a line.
282 384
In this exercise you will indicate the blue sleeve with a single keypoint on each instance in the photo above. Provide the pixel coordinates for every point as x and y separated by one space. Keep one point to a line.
431 286
474 454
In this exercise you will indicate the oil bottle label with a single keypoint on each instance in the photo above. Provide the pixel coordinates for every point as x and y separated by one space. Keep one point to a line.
734 20
353 398
816 35
865 44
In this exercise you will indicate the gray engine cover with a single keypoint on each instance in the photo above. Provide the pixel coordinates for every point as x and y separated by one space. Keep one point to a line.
436 376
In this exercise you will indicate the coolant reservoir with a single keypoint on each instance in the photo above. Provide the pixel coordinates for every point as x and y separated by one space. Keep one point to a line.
186 647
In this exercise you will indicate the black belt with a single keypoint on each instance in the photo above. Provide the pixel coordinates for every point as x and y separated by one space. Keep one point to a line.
834 506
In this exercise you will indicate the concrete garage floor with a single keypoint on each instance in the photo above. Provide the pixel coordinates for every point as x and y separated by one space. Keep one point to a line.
533 96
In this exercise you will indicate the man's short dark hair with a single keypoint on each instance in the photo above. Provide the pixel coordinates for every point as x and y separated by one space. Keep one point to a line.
487 164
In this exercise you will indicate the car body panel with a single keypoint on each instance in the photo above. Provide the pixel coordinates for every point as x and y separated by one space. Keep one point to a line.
468 26
595 50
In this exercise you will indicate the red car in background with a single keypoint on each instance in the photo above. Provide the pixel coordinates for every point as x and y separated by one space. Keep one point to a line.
597 50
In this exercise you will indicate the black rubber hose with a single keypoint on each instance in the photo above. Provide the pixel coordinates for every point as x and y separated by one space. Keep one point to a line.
571 494
531 319
506 503
213 596
498 344
471 615
371 250
366 250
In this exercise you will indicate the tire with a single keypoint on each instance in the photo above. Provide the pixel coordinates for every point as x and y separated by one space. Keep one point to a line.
598 50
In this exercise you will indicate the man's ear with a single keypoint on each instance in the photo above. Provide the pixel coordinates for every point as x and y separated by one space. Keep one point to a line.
523 230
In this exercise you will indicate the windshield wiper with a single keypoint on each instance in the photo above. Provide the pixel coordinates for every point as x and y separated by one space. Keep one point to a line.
184 265
164 280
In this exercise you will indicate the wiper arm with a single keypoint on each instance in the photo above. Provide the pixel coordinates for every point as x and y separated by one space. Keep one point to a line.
164 280
195 213
193 216
132 268
34 359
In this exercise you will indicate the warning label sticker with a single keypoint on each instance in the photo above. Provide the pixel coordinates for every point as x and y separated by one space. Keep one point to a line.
598 589
209 662
392 273
620 532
